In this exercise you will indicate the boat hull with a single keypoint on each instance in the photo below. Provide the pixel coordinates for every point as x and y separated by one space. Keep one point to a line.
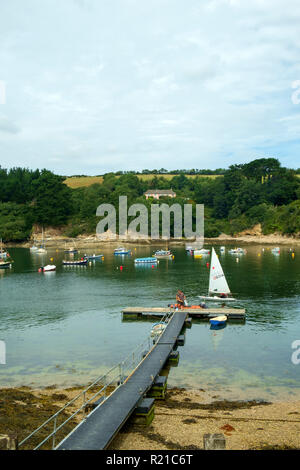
216 299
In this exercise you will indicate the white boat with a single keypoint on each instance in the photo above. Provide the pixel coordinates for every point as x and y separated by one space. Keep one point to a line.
163 254
203 251
218 290
41 248
47 268
276 250
157 329
121 251
238 251
222 249
3 253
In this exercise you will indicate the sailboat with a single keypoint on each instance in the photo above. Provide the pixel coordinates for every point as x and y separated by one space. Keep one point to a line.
33 247
42 248
217 282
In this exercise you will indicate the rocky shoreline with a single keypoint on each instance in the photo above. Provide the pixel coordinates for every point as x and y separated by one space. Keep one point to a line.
91 241
180 420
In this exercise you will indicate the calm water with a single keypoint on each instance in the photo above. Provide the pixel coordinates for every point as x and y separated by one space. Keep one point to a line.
66 328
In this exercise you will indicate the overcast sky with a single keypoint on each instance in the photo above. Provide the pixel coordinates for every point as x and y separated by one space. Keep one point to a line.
91 86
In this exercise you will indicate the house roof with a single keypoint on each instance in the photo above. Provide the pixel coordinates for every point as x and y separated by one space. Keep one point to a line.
160 191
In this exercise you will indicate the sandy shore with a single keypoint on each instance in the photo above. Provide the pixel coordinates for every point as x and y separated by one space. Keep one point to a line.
180 420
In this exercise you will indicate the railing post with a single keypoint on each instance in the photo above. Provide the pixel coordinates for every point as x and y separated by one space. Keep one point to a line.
54 435
84 405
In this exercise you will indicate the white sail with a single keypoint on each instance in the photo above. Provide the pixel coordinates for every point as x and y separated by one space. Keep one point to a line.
217 280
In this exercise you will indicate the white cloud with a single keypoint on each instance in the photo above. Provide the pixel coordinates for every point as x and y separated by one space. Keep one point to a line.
98 86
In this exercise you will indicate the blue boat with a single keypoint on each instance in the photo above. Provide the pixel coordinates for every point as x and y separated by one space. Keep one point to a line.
122 251
93 257
217 321
145 260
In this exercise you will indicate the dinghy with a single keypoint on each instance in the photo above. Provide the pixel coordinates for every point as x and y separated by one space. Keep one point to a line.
217 282
47 268
122 251
218 321
163 254
157 329
145 260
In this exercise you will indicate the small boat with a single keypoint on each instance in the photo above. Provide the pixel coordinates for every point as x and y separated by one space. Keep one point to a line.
157 329
218 290
237 251
163 254
202 251
79 262
276 250
93 257
71 250
122 251
5 264
3 253
47 268
145 260
41 249
222 249
217 321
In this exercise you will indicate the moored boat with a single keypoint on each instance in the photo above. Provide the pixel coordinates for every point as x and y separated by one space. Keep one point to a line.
93 257
47 268
5 264
217 321
145 260
163 254
122 251
237 251
79 262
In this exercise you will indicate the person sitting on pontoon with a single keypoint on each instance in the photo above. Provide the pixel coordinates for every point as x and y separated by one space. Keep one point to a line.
180 298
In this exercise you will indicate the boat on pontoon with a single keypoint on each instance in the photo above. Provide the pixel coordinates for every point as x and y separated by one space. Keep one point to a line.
157 329
218 289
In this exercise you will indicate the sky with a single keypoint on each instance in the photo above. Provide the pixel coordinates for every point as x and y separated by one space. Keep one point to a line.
92 86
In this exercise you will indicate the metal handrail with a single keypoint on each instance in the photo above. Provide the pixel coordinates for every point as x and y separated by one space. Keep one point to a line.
133 359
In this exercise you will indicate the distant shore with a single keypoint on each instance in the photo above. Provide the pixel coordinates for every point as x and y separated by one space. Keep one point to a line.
90 241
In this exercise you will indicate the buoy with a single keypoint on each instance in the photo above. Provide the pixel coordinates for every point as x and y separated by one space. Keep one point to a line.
293 255
237 260
121 268
51 259
152 266
207 265
173 257
258 254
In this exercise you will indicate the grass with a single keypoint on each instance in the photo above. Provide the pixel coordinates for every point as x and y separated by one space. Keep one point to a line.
79 181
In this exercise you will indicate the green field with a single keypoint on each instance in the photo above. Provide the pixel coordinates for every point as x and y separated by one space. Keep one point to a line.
79 181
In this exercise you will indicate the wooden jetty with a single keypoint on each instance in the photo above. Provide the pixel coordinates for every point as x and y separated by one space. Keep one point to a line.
201 313
103 423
